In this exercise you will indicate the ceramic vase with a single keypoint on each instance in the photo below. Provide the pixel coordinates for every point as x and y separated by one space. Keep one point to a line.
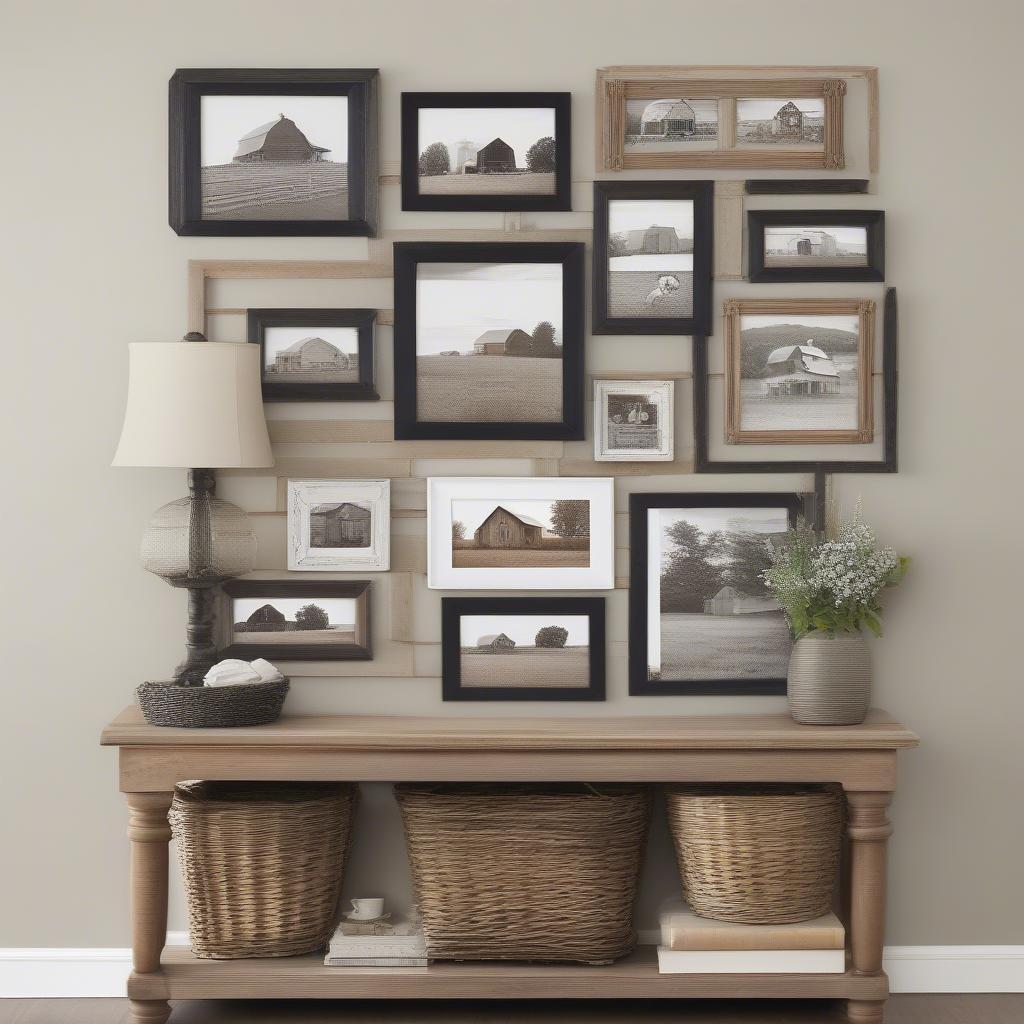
829 679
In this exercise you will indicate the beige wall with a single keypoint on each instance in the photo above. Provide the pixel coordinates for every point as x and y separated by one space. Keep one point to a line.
89 264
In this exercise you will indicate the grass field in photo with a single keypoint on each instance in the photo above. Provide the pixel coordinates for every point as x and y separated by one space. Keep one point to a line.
520 558
527 666
290 637
853 260
528 184
817 412
628 291
699 646
488 389
350 376
275 191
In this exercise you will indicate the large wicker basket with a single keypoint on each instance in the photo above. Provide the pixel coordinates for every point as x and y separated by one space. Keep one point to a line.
212 707
517 872
757 855
262 864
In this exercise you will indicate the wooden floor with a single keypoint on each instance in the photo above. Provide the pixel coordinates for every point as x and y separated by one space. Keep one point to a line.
955 1009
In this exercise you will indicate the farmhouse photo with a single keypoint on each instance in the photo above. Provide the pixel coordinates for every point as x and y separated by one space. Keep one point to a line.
671 124
780 122
521 534
346 524
283 621
308 355
831 246
274 157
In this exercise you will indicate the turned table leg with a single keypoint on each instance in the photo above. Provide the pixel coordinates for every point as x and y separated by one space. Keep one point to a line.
868 829
149 833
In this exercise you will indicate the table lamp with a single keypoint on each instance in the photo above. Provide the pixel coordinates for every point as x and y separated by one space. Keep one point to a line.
197 405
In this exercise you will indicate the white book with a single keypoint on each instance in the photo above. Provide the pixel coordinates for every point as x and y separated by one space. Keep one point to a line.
751 961
379 961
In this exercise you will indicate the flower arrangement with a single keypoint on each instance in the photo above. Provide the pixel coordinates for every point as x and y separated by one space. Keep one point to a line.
832 584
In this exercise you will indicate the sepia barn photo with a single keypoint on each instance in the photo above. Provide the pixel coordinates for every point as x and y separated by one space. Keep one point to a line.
295 355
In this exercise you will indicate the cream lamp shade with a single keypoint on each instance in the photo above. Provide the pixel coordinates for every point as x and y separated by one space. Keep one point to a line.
194 404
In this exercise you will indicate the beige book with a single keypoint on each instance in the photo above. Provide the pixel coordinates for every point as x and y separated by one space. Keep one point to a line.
682 929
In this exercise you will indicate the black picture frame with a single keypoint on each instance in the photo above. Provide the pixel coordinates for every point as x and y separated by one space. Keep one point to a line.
872 220
452 610
639 505
889 463
806 186
408 257
360 650
186 90
363 320
702 193
414 102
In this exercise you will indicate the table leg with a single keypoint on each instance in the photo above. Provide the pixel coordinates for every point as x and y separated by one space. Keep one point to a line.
864 1011
149 833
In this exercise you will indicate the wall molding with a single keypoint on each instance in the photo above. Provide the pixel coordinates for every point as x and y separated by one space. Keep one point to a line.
37 973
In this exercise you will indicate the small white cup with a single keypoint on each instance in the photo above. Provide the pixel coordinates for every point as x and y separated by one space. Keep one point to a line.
368 909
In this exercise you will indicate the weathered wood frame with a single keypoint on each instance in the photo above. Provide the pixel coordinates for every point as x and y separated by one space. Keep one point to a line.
864 309
604 389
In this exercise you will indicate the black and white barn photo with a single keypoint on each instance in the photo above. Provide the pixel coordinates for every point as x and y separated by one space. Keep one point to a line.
297 355
339 525
780 122
801 246
671 124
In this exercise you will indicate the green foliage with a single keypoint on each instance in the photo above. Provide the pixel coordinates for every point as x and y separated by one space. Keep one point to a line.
435 160
551 636
311 616
540 157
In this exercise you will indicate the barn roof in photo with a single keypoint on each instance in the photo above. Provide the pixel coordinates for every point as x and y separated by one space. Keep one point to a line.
488 638
526 520
351 510
253 141
297 346
498 337
668 110
812 359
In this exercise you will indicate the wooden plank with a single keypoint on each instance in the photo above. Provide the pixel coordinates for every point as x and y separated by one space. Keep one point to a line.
419 449
641 375
584 467
408 553
329 469
401 607
409 494
330 430
310 270
729 230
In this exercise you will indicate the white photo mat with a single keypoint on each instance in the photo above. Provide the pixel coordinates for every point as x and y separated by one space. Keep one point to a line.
304 495
661 393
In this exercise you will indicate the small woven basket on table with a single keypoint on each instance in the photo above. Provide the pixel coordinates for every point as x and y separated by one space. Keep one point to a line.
262 864
757 854
212 707
526 872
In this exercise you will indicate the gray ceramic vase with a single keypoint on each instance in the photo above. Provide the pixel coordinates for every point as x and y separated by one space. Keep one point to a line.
829 679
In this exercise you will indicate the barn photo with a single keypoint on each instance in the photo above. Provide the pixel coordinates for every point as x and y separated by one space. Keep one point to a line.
274 157
345 524
671 124
829 246
282 621
310 355
786 122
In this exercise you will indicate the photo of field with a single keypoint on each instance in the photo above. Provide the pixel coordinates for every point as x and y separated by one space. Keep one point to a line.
752 646
815 247
518 183
311 191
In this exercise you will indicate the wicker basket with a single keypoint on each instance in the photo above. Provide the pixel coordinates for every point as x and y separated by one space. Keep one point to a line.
212 707
262 864
517 872
757 854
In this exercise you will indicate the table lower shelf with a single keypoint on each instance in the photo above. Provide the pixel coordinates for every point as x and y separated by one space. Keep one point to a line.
305 977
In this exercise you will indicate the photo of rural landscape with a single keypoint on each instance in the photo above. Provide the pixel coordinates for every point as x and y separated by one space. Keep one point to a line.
795 246
345 524
305 355
521 534
515 651
274 157
650 258
709 614
486 151
799 372
293 621
671 125
489 342
781 122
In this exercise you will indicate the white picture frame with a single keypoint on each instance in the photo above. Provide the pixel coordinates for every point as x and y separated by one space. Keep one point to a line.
309 547
464 500
658 396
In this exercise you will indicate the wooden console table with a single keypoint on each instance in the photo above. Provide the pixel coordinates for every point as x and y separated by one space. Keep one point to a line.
732 748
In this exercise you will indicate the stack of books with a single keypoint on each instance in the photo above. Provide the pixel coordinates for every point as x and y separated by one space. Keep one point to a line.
377 944
695 945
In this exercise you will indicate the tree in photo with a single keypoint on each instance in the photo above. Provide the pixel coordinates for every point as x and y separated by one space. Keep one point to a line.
551 636
311 616
458 530
540 157
570 517
694 568
748 558
435 160
544 339
618 244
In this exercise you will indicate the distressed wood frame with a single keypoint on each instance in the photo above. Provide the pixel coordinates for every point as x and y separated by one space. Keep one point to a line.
605 389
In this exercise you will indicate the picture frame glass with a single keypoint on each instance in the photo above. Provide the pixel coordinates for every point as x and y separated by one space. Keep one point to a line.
283 622
805 247
671 124
310 355
339 525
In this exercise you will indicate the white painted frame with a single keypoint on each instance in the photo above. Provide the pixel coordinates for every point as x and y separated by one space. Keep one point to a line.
662 392
304 494
442 491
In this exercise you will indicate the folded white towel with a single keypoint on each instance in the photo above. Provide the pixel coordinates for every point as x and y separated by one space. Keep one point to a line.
231 672
268 673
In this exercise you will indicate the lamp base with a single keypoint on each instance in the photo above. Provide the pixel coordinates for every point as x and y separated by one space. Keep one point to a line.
200 651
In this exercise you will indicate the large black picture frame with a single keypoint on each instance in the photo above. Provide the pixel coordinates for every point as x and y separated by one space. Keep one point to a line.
414 102
703 195
408 257
639 505
362 390
189 85
452 610
872 220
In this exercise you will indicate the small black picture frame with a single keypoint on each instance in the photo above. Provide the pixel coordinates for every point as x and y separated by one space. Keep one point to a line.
414 199
640 685
454 608
359 648
409 256
702 194
362 389
187 88
873 221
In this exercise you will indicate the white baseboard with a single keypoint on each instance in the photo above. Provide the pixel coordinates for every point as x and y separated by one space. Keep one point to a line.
55 973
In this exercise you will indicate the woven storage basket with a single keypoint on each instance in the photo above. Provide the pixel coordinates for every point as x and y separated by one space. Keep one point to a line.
517 872
211 707
757 854
262 864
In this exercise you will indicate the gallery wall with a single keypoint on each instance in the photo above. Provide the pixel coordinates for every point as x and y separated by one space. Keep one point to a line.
89 264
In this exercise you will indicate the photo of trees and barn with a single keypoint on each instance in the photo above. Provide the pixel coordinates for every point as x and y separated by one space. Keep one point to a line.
285 620
709 614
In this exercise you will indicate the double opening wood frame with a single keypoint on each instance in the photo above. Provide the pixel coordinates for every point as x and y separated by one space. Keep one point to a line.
359 649
863 309
873 222
615 92
363 320
414 102
454 608
360 86
701 194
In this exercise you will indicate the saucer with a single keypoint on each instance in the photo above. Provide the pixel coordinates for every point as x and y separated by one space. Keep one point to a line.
351 915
